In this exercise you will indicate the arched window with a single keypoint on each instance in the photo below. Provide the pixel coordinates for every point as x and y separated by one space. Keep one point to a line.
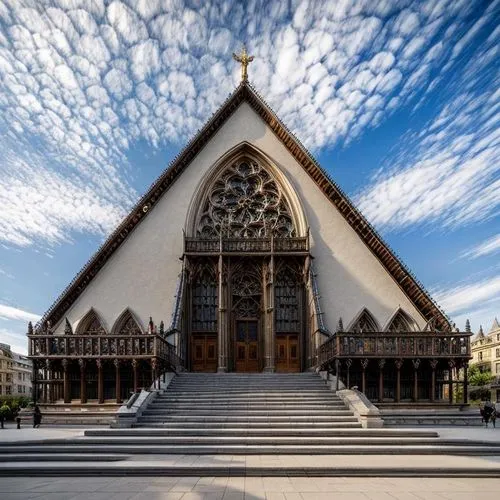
287 298
246 291
364 322
91 324
204 299
245 201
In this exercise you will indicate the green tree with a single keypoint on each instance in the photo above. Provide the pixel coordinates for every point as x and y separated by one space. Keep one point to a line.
477 377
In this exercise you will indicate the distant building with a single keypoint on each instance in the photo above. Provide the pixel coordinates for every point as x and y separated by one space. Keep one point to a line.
15 373
486 353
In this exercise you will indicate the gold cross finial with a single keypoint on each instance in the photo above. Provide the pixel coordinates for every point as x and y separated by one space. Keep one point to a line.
244 59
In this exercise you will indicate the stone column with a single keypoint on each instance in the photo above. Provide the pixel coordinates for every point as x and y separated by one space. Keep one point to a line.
34 381
222 323
416 364
399 364
451 365
49 381
134 370
381 364
118 385
348 364
269 337
364 364
100 382
433 363
466 382
66 386
83 382
154 372
45 385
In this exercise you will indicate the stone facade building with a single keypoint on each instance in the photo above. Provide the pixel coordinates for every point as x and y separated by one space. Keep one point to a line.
15 373
486 353
245 256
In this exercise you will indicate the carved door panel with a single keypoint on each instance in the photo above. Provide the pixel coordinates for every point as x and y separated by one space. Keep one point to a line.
204 353
247 346
287 353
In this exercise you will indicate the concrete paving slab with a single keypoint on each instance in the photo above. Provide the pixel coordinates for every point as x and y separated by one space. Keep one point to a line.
287 488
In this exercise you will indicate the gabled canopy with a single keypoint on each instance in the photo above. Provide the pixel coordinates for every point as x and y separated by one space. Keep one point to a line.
245 93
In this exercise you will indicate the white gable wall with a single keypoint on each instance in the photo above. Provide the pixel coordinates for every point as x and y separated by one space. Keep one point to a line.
142 273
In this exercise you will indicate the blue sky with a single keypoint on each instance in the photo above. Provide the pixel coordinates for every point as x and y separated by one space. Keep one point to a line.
398 100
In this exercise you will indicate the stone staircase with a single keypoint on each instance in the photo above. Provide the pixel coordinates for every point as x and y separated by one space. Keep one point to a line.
247 405
203 422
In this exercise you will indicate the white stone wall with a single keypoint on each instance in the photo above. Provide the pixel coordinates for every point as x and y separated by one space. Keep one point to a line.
142 273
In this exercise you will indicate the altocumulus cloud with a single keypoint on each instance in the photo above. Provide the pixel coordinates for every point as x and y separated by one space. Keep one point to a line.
81 80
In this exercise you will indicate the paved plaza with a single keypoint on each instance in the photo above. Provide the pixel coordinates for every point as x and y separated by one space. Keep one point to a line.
249 488
244 488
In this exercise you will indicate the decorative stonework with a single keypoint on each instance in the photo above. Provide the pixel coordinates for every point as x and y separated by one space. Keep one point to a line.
364 323
245 202
401 322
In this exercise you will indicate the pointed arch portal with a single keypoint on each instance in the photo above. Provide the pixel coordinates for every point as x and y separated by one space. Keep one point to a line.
246 248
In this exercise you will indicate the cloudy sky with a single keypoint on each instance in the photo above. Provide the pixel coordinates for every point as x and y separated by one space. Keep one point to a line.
398 100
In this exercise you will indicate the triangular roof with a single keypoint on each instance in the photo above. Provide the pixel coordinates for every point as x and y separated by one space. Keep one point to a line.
246 93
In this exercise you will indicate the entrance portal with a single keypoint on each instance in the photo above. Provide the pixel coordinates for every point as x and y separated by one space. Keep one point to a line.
287 353
247 346
204 353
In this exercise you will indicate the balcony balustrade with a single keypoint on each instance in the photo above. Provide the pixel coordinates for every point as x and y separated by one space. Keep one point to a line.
246 245
144 346
395 345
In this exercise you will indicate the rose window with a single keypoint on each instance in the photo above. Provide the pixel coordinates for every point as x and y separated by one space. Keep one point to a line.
245 202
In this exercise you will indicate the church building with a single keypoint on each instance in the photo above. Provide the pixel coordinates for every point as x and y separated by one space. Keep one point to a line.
245 256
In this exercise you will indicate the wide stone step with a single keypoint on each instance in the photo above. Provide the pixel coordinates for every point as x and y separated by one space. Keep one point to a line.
245 431
169 396
300 440
247 392
357 433
245 418
260 449
277 412
246 406
248 426
41 456
313 466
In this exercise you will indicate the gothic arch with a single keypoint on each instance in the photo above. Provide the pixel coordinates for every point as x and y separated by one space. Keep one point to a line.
246 192
91 324
400 321
204 296
364 322
246 290
127 324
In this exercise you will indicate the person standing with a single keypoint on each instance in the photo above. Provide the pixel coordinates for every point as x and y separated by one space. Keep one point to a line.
489 412
37 417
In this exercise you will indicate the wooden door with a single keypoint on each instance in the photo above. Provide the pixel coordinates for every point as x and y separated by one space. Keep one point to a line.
204 353
247 346
287 353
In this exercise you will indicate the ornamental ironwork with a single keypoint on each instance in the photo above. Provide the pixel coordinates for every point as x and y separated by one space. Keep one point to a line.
245 202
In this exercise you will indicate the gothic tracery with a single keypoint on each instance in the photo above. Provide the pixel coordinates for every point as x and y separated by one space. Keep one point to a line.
245 202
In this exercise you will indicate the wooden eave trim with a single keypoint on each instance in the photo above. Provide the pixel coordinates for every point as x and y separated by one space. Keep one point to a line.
244 92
